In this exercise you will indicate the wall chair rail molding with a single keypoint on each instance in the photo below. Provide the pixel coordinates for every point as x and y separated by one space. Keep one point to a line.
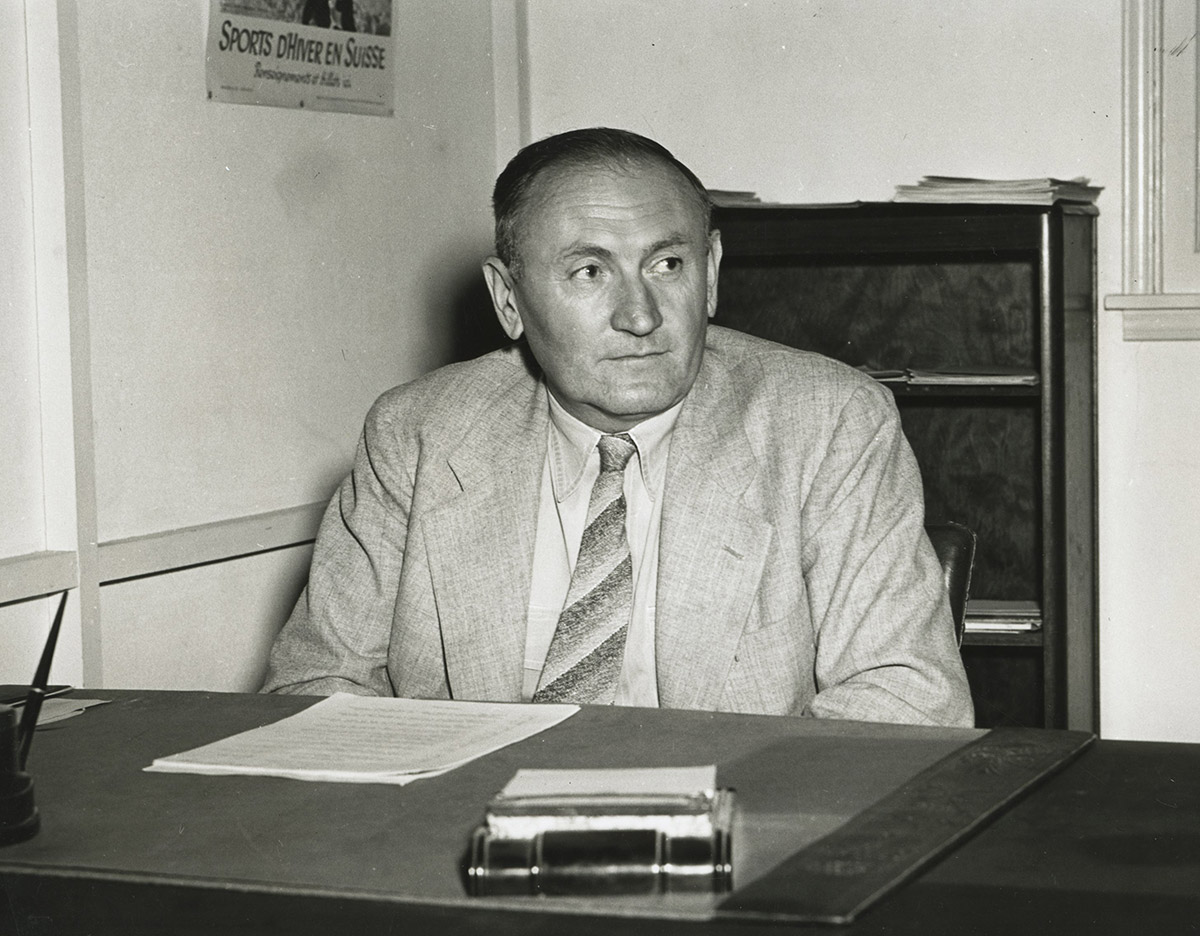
172 550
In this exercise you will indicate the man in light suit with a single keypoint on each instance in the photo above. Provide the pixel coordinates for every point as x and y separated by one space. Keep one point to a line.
768 553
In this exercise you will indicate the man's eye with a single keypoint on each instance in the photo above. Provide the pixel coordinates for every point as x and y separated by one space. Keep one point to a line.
590 271
668 265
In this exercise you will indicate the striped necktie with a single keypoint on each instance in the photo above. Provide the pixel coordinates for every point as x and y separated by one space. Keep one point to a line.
588 647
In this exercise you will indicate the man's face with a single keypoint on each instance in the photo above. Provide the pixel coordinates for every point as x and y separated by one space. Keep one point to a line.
617 281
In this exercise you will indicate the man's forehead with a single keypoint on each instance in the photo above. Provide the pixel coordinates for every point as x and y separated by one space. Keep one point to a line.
649 199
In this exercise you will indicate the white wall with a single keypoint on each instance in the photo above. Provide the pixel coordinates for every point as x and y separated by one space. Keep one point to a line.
1150 456
257 276
252 278
813 100
217 232
22 519
807 101
21 527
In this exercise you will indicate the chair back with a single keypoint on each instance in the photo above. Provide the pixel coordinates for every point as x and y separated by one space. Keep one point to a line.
955 548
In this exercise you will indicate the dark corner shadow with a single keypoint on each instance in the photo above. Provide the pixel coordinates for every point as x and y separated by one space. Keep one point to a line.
474 329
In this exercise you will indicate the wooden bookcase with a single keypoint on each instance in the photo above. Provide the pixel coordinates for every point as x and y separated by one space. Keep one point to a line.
895 286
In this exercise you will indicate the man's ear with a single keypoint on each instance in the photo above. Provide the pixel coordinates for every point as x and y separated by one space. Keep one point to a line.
502 286
714 266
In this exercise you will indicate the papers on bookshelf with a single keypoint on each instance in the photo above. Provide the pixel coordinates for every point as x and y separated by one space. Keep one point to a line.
991 616
955 189
731 197
885 375
974 374
356 739
593 831
977 626
980 375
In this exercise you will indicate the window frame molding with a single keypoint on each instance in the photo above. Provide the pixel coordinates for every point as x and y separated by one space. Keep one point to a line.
1147 312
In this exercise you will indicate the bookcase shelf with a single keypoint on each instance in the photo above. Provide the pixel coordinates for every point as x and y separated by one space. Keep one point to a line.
929 287
1002 639
964 391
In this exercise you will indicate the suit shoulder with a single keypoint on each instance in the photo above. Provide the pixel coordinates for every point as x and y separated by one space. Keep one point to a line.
451 398
786 373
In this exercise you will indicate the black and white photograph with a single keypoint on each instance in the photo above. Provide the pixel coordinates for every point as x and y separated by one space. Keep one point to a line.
635 467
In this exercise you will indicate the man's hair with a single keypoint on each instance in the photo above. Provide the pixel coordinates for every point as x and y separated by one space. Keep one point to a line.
591 147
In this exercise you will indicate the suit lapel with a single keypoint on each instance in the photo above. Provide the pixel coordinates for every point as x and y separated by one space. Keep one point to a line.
713 545
481 543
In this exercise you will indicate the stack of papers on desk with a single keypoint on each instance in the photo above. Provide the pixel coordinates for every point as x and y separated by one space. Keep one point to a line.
356 739
955 189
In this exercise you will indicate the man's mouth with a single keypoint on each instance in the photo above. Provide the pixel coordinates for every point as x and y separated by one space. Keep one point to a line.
638 355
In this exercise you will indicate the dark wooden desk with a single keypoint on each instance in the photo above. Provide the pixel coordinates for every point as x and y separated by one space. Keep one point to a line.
1110 845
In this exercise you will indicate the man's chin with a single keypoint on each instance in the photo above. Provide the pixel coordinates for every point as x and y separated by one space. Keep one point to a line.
632 409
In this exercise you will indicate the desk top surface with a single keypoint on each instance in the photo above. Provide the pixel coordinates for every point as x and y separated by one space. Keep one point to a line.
1114 838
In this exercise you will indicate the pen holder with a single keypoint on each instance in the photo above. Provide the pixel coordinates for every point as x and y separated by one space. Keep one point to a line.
19 818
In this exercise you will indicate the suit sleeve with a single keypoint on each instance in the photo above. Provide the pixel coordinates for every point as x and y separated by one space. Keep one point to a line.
337 637
885 646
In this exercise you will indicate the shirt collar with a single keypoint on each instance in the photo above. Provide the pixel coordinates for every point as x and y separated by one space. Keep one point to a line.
572 443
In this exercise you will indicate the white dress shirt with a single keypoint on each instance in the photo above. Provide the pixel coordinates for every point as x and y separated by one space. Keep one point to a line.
571 468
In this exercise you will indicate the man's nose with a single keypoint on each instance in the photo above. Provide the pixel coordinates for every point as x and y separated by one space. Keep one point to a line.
636 309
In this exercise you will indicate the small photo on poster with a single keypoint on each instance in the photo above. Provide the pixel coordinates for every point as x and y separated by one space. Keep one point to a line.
328 55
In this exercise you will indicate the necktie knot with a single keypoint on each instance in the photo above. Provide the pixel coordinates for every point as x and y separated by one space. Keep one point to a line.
615 452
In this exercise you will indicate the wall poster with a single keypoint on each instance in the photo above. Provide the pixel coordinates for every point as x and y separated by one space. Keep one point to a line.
329 55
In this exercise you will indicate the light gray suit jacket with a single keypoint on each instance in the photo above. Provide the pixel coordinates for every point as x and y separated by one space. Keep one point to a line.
794 572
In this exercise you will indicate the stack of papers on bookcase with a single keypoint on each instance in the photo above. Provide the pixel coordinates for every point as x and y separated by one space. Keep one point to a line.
954 189
959 375
974 374
733 197
989 616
